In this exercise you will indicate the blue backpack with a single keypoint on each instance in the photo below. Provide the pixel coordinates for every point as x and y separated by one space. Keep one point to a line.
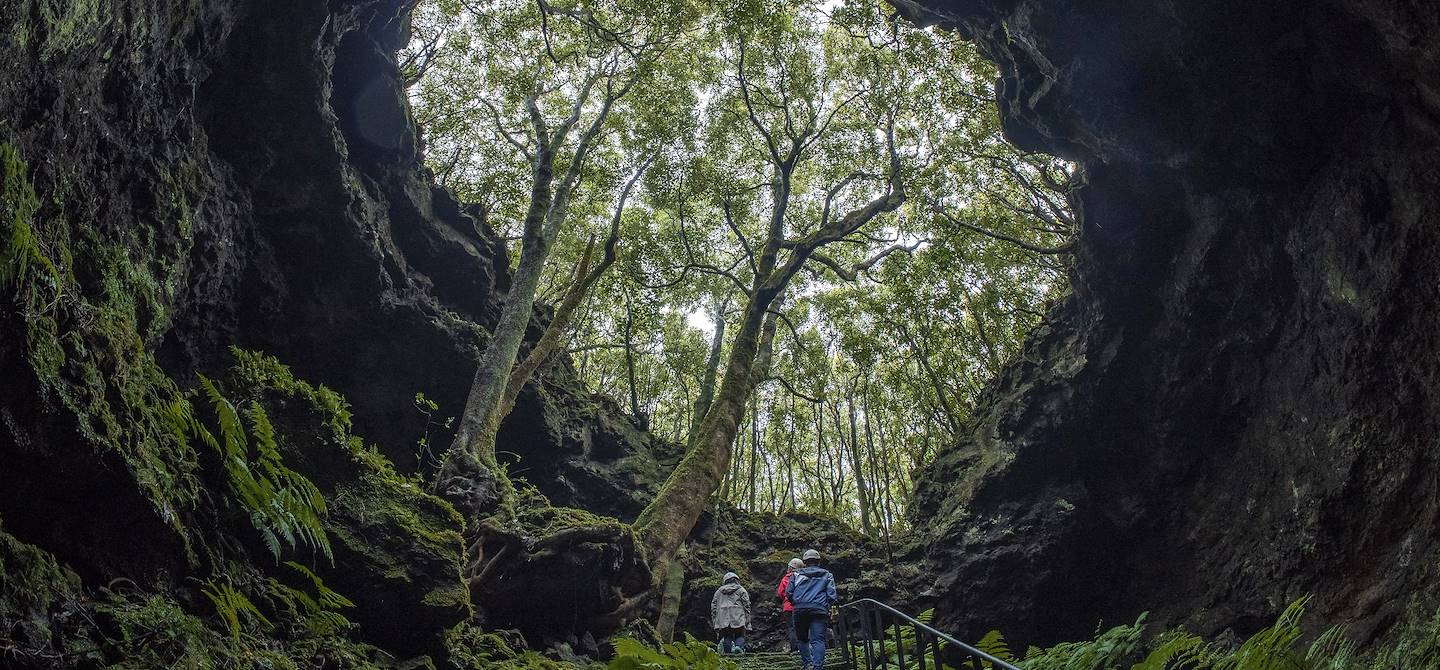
812 589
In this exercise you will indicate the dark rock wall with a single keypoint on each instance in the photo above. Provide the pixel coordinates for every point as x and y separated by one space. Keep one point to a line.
1238 406
179 177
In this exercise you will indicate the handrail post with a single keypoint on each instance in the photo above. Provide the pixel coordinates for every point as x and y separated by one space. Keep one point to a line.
899 644
842 627
865 629
875 631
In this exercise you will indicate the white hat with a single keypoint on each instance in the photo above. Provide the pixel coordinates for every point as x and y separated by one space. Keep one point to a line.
796 564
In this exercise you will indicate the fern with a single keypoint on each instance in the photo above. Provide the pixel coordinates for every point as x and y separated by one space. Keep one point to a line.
1331 651
319 613
1273 647
1177 653
285 507
328 598
233 607
1106 652
690 654
993 643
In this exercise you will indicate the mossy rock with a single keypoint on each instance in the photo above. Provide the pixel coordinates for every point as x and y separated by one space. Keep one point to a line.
83 395
32 586
398 551
473 649
398 555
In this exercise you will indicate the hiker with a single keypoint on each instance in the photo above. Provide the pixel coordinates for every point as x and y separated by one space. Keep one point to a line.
812 592
730 614
783 591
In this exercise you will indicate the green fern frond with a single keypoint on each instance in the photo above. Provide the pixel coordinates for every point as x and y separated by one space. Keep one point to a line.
688 654
284 506
993 643
232 433
328 597
1273 647
1332 649
233 607
1179 653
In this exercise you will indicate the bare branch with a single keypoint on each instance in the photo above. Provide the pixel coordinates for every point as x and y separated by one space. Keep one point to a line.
750 106
739 234
793 391
1067 247
505 133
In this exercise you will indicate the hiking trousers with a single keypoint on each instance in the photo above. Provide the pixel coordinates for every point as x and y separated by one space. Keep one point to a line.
810 630
732 640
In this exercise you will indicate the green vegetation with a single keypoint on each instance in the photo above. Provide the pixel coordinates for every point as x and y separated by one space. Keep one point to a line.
1277 647
827 243
20 253
632 654
473 649
281 503
382 521
69 23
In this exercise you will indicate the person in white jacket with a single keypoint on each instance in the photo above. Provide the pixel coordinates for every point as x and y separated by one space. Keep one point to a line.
730 614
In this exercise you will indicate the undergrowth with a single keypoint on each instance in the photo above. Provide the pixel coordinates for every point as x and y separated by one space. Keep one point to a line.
1277 647
283 505
632 654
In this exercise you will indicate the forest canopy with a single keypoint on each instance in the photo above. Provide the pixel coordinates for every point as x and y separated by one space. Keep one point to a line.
788 235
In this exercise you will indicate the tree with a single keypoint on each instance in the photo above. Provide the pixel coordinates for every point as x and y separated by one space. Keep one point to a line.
546 62
802 108
827 248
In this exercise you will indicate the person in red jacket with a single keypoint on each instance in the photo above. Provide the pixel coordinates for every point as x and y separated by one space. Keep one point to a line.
783 592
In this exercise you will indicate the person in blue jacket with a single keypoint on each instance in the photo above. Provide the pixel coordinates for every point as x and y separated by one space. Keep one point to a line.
812 592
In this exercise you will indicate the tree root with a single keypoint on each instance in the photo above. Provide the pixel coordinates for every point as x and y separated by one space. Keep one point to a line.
628 582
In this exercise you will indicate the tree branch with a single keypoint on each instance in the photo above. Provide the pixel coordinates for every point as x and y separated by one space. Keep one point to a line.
1067 247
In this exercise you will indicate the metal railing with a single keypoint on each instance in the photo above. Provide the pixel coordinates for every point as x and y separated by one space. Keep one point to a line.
871 635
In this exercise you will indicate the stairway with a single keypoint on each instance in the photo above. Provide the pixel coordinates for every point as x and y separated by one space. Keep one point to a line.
780 660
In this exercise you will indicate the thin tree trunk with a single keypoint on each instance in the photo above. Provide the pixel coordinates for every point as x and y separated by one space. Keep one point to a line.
789 460
754 447
630 361
922 356
712 365
670 602
837 458
821 481
879 457
857 466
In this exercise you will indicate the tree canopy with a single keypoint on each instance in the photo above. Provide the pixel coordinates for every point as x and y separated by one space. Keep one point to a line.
828 250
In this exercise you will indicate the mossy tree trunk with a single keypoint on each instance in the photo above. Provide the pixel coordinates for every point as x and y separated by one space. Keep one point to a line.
669 518
585 278
470 475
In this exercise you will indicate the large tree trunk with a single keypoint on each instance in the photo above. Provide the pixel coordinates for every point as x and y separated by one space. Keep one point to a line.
470 477
669 518
665 523
585 278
